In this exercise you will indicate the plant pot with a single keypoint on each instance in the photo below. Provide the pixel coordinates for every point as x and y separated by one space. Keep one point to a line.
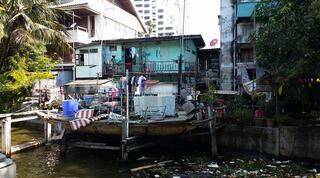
269 122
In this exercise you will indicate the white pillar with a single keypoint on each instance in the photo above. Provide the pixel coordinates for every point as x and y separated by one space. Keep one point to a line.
6 136
47 130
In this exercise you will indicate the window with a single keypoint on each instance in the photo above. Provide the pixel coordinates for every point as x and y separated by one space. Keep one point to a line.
80 60
147 5
160 16
84 51
140 11
246 55
146 11
146 17
169 28
160 34
94 50
160 23
139 5
160 28
160 10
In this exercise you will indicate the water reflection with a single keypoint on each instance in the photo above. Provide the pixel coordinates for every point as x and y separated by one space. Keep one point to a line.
47 162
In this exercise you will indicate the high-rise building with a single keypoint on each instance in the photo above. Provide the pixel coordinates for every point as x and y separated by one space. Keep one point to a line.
161 17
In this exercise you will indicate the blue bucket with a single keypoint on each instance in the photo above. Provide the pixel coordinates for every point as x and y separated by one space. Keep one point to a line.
69 107
88 99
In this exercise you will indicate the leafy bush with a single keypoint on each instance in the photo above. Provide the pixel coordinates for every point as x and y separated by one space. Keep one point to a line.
243 116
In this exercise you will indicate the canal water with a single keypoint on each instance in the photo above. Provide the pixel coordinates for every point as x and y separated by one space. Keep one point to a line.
48 162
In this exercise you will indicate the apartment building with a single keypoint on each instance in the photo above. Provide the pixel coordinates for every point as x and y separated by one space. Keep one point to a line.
237 58
161 17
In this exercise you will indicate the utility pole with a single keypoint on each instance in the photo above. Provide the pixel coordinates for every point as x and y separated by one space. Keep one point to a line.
181 55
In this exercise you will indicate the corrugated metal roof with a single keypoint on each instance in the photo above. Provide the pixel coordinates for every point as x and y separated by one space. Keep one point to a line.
245 9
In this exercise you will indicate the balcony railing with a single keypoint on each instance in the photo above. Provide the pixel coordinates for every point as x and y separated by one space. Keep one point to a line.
163 67
78 35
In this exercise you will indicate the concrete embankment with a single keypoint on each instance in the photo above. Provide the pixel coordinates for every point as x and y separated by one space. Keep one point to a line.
285 141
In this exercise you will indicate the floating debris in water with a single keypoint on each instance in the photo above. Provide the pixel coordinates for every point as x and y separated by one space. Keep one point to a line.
142 158
213 165
271 166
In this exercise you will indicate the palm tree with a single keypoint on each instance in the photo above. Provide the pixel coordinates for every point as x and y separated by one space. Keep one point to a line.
1 24
151 26
26 22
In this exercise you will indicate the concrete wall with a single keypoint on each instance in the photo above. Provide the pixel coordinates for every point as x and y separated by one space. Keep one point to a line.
260 139
226 38
295 142
301 142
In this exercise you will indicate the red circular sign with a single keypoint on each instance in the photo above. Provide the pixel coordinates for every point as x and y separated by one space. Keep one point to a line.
213 42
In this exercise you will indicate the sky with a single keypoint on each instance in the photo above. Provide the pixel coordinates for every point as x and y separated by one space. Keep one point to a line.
202 18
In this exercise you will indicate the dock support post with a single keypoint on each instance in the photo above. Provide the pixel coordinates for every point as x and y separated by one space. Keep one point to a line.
124 151
6 136
47 130
213 136
125 126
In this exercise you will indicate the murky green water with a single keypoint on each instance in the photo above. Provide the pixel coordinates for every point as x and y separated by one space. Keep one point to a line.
47 162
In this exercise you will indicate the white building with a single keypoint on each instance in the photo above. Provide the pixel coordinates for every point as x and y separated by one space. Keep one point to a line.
91 20
164 15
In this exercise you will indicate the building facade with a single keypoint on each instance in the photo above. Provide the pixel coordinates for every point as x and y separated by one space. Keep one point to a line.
237 59
161 17
92 20
156 58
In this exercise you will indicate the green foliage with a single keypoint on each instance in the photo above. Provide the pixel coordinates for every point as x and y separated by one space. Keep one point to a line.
25 28
243 116
150 26
285 46
210 95
27 66
281 119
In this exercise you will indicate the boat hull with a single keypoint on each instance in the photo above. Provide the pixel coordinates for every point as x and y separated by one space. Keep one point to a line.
156 128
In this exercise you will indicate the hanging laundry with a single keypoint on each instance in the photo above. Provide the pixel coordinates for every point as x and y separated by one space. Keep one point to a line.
124 83
141 81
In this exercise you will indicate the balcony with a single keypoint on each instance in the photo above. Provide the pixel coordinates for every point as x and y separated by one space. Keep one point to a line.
246 65
243 32
78 35
152 68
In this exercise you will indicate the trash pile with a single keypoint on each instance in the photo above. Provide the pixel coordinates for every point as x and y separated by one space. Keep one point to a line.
225 167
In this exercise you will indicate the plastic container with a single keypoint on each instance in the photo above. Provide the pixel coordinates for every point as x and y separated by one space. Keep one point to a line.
88 99
69 107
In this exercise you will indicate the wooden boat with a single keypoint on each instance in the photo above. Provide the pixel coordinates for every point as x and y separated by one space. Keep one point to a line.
163 127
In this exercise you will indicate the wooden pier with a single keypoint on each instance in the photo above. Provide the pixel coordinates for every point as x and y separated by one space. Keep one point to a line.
8 119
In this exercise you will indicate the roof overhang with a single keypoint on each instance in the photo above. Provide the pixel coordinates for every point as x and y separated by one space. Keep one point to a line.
81 83
197 39
79 9
129 7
